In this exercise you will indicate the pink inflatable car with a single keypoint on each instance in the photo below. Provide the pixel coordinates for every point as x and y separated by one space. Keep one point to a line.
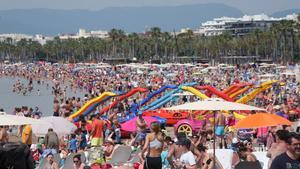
189 126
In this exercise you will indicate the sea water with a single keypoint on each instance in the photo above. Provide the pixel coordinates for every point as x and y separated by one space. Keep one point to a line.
42 99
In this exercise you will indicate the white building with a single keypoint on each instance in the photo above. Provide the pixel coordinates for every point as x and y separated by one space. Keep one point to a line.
239 26
14 38
82 33
42 39
99 34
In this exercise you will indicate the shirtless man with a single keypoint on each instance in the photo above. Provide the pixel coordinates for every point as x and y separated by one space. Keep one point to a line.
220 126
141 127
56 108
206 125
3 134
280 146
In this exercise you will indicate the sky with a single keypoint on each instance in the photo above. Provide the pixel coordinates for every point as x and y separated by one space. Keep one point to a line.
247 6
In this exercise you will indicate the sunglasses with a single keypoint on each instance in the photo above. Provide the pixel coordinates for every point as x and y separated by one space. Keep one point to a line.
75 161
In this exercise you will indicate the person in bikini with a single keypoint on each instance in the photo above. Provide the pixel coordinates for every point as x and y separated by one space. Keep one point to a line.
154 147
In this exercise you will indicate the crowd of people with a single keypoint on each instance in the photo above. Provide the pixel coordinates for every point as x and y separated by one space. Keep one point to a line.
155 147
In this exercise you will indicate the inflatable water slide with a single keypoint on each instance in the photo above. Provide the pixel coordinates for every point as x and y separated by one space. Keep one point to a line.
91 105
122 97
165 98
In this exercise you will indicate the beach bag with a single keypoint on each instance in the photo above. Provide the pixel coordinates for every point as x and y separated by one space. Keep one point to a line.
16 156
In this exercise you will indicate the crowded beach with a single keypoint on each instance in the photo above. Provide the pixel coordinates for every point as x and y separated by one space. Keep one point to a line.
148 116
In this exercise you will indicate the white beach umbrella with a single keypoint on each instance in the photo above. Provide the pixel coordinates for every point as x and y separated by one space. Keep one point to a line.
60 125
212 68
153 73
214 104
14 120
165 65
267 75
171 75
281 67
288 73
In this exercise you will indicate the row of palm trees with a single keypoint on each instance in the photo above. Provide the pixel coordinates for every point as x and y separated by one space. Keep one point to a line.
281 43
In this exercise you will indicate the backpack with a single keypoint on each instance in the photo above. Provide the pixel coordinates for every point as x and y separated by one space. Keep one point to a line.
15 156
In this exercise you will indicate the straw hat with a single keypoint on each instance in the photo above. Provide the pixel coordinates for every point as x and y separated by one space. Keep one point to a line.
109 140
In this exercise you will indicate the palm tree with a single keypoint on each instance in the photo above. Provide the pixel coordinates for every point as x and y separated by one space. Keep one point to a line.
166 36
286 36
186 42
133 39
155 33
281 42
113 34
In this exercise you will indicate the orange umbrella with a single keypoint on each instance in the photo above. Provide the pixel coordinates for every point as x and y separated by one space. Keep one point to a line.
261 120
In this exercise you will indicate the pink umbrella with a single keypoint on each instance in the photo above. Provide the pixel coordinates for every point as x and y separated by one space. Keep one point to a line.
131 124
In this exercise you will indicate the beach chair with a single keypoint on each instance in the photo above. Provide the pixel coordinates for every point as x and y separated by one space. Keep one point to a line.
69 160
120 155
43 161
224 156
248 165
263 159
134 157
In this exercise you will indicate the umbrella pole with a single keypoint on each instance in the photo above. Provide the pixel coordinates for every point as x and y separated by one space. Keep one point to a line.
214 141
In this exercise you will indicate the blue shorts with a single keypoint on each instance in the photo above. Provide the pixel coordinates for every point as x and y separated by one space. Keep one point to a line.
141 136
220 131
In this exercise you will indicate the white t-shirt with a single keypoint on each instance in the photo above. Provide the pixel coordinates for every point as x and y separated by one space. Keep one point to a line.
188 158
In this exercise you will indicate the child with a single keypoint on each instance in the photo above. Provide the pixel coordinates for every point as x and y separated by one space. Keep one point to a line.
73 144
83 140
35 153
63 154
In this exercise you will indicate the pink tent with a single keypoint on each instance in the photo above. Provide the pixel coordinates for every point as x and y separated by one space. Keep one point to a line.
131 124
